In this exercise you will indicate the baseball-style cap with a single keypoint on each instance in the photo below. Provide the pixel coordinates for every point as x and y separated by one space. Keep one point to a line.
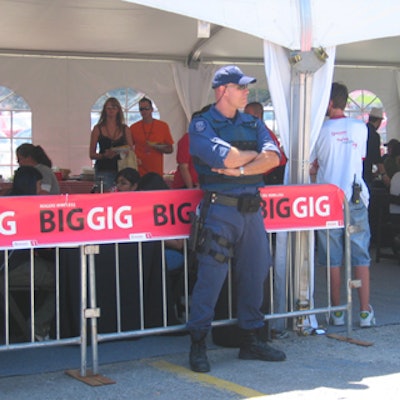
231 74
376 113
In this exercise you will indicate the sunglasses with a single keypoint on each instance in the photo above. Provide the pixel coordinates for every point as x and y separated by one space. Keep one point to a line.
238 87
144 108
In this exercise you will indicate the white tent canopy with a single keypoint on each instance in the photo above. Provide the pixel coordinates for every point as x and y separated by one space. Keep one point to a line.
115 28
284 22
62 55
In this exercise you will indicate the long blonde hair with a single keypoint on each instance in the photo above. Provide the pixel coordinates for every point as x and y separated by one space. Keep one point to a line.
112 101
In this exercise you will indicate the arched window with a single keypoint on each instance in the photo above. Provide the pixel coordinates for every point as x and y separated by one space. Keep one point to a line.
129 99
15 129
359 105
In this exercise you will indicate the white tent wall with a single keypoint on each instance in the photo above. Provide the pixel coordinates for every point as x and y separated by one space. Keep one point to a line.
61 92
43 84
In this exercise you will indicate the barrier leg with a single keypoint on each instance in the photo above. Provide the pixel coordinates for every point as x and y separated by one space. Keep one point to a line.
349 283
91 378
93 312
83 308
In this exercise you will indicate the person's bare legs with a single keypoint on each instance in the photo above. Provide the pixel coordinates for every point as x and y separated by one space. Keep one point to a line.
335 285
362 273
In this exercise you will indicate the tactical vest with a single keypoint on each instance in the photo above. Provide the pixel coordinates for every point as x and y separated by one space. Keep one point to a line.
242 137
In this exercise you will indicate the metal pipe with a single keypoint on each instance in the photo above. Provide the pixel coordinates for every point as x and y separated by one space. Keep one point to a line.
93 319
83 308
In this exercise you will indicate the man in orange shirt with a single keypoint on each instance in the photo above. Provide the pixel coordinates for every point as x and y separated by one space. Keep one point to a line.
152 139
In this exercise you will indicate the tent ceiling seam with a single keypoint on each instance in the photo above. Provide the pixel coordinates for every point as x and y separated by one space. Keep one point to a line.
90 56
169 58
194 56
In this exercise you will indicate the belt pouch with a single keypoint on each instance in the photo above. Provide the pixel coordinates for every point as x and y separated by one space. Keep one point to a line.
249 203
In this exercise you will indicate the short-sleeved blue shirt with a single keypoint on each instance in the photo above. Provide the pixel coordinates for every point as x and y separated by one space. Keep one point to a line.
207 146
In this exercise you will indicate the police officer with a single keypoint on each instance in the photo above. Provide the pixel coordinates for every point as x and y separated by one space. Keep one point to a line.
231 151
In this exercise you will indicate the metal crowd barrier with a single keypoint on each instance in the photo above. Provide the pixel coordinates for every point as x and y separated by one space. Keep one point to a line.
90 312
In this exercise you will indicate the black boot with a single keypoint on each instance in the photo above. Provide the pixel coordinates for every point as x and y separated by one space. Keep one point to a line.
198 355
252 348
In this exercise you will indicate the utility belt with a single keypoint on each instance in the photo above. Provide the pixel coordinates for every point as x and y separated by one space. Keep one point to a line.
203 240
245 203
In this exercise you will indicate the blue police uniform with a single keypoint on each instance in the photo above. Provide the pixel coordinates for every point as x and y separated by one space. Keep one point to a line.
232 232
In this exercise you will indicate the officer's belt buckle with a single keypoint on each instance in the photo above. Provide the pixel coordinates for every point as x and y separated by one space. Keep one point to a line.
216 198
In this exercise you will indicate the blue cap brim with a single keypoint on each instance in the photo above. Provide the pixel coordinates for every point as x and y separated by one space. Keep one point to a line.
245 80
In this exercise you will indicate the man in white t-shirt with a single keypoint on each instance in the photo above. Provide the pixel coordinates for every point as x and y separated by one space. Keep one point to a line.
337 158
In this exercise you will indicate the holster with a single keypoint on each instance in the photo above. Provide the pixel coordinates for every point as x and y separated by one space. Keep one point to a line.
195 229
201 238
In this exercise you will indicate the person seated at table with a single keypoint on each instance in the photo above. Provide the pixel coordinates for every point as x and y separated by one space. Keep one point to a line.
127 180
392 232
173 247
27 182
392 160
129 177
152 181
35 156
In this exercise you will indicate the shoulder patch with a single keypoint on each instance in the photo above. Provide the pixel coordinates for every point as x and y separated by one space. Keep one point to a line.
200 126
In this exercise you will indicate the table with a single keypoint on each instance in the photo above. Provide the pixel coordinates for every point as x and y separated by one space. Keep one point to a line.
72 186
68 186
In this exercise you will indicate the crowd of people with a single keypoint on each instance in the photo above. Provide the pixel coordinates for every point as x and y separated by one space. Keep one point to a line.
112 142
229 153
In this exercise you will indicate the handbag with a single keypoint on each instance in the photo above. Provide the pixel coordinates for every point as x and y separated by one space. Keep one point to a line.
127 157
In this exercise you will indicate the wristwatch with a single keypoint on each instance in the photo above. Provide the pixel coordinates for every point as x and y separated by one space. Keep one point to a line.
241 169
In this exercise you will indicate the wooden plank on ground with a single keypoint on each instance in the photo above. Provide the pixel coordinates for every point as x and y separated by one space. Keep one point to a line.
349 340
89 379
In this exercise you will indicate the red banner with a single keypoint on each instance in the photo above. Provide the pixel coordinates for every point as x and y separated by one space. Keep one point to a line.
40 221
296 207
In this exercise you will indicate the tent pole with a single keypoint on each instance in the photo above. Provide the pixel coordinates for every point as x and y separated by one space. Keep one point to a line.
304 65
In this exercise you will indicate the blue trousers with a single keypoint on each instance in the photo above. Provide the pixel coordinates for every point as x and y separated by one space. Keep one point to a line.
108 178
250 268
